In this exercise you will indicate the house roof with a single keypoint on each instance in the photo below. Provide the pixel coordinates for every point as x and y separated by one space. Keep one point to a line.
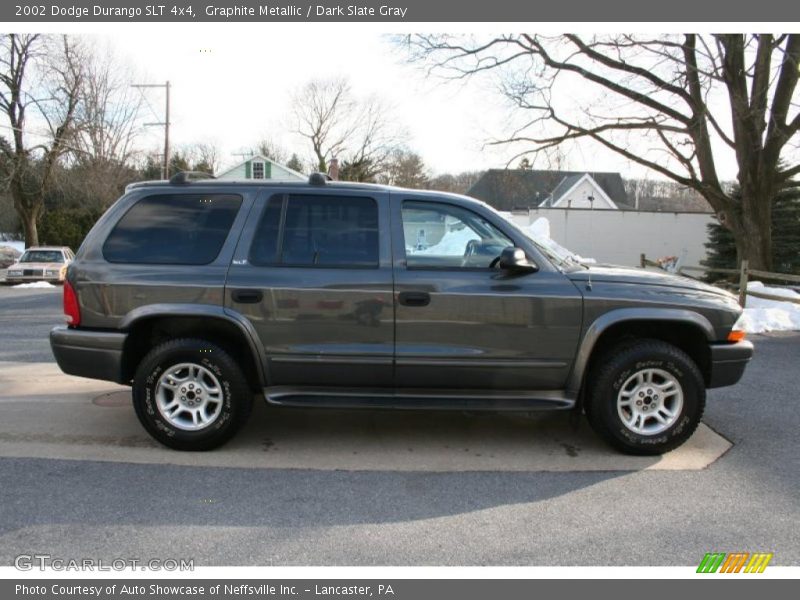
566 184
265 159
570 183
507 189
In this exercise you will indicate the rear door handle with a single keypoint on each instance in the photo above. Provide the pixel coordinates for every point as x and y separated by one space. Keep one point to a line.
414 298
247 296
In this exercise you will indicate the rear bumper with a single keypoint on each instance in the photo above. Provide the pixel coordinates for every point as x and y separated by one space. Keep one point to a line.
728 362
92 354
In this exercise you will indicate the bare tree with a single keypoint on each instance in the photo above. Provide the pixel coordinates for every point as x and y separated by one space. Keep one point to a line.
107 125
108 113
40 78
322 112
362 132
673 104
405 169
375 138
457 184
204 156
272 150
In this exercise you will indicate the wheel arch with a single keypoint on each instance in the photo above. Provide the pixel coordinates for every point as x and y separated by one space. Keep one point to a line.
150 325
686 329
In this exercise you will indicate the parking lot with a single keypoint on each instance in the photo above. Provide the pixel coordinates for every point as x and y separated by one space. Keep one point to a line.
80 478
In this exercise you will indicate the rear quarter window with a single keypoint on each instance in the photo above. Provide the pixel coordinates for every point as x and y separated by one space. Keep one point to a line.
180 229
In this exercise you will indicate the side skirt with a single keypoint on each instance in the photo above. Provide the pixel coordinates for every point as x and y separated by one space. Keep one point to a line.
414 399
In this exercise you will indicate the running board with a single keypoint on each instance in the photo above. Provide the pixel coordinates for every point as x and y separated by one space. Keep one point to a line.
318 397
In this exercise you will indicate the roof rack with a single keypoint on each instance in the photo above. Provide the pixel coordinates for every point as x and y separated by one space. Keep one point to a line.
319 179
183 177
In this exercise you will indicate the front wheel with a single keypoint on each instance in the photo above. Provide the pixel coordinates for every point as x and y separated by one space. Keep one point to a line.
646 397
190 394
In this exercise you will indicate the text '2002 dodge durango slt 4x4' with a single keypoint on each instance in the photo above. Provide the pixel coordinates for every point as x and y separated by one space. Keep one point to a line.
202 293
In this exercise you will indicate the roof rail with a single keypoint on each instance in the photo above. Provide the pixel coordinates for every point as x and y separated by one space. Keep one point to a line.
319 179
183 177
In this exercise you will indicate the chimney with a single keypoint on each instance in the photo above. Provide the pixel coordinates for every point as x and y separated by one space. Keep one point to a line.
333 169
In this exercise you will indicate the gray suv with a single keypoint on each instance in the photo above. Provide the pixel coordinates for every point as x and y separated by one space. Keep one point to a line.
202 293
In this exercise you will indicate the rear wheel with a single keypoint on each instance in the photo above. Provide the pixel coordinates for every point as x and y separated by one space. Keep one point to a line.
190 394
645 397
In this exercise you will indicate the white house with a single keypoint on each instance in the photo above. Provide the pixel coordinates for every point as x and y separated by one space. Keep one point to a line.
579 191
528 189
261 167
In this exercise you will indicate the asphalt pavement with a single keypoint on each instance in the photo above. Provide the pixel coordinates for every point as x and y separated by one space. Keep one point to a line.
398 510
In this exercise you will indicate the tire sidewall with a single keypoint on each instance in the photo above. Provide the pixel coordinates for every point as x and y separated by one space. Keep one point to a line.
146 382
684 426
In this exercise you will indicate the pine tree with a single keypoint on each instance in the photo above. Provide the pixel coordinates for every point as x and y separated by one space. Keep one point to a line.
721 248
295 163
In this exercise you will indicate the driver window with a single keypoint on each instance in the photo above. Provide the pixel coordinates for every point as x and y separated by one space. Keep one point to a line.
444 236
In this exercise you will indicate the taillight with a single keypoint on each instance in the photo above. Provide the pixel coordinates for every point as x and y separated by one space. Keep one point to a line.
72 311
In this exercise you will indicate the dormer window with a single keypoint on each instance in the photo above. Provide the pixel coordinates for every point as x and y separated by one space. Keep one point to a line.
258 169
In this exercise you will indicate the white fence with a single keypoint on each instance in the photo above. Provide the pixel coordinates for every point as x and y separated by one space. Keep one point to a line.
620 237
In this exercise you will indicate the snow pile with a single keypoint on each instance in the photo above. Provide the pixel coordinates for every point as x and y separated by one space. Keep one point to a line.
18 246
770 315
34 284
452 243
539 231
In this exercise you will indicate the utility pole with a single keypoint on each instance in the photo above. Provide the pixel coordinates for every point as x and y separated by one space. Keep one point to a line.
166 135
165 124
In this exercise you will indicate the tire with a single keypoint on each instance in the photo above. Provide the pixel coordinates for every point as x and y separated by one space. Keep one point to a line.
189 420
646 397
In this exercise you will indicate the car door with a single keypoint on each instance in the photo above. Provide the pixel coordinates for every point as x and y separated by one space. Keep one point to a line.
313 275
461 323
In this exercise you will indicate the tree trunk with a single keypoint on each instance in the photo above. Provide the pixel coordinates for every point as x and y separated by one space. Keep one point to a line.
29 218
751 226
757 225
31 231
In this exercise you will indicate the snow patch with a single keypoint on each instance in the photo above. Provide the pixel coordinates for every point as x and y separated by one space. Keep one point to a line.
452 243
763 315
539 231
18 246
540 228
34 284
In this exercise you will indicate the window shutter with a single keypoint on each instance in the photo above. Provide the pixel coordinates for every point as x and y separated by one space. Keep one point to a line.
267 169
247 168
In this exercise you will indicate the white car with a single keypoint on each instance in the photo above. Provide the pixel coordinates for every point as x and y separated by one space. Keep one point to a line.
47 263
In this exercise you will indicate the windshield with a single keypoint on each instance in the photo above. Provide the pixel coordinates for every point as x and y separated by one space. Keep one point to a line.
42 256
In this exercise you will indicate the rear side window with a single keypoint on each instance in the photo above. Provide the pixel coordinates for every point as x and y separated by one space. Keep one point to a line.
317 231
179 229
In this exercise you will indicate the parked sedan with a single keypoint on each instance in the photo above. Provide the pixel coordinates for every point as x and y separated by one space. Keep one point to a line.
41 264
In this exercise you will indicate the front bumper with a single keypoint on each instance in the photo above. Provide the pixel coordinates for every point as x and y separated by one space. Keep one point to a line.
92 354
728 362
32 278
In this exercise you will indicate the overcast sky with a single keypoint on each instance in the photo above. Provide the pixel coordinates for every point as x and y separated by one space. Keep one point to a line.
232 84
233 87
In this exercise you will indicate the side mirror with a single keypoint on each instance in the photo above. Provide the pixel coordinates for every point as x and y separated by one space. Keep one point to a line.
514 259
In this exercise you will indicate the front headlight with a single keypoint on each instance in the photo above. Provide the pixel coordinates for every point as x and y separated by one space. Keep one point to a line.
52 272
15 273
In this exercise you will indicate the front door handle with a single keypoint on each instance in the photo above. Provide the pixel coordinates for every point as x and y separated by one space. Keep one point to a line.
247 296
414 298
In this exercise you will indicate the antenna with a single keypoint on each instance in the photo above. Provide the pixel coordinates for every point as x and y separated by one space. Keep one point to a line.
590 198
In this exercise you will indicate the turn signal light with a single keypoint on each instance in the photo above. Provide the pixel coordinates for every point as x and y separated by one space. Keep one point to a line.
736 335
